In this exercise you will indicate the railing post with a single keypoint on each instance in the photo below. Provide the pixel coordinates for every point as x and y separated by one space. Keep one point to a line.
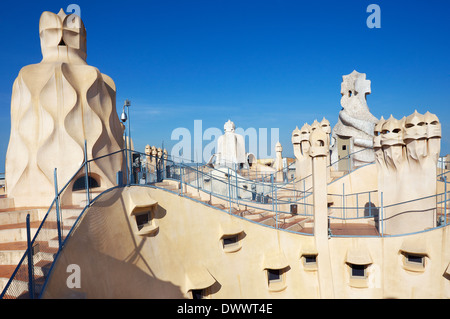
304 195
348 160
58 219
343 200
130 159
181 179
30 260
211 185
125 175
198 181
164 163
276 204
203 178
445 200
273 202
237 189
293 187
380 218
229 190
88 197
357 207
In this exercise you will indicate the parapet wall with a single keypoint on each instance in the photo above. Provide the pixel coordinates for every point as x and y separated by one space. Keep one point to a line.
184 251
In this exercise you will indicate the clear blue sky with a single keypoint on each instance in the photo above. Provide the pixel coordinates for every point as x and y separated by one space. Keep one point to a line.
262 64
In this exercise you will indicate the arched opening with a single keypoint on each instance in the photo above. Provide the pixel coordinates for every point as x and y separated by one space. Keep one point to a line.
80 183
251 159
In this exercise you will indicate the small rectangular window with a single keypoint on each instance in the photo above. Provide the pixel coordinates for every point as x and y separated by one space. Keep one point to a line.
358 271
344 147
309 262
273 275
414 259
143 220
310 259
230 241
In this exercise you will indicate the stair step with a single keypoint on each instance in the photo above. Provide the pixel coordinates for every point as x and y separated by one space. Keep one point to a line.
11 253
18 215
6 202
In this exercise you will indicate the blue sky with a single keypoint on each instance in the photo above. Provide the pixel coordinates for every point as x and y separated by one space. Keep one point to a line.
262 64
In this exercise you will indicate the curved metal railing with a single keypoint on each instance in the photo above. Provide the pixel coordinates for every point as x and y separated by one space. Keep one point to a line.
30 277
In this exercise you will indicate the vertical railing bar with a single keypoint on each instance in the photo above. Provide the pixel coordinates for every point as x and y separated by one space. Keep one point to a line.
30 260
237 190
88 198
380 218
229 190
198 181
445 200
343 201
58 219
130 159
357 207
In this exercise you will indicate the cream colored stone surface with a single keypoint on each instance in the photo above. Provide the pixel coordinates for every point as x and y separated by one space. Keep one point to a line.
301 144
230 148
355 120
60 102
302 150
56 105
407 169
319 151
187 253
278 165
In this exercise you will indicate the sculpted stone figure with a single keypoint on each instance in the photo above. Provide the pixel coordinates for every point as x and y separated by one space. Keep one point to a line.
279 162
355 120
154 154
56 105
148 153
301 143
230 148
407 153
301 140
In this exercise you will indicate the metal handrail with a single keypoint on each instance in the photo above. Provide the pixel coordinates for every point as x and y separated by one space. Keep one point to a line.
275 187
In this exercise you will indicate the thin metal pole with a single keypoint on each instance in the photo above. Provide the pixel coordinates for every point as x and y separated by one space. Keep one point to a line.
58 219
348 160
343 200
126 158
203 178
88 197
276 205
229 190
237 190
198 181
30 260
445 199
304 197
357 208
181 178
273 203
380 219
129 142
293 187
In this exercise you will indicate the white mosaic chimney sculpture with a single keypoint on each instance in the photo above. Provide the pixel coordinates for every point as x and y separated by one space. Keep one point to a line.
56 105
